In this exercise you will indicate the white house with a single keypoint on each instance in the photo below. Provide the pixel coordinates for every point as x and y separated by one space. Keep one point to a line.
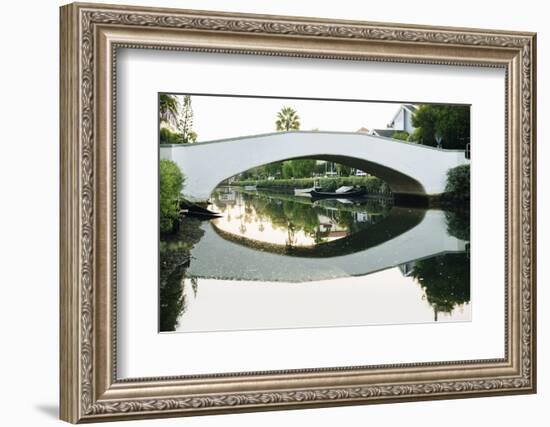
401 121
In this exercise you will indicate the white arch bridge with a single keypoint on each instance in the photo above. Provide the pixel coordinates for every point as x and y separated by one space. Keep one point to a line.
408 168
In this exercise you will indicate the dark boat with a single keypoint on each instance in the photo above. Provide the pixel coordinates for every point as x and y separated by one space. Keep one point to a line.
354 192
192 209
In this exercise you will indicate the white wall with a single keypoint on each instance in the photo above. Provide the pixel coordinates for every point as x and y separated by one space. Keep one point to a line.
29 227
399 122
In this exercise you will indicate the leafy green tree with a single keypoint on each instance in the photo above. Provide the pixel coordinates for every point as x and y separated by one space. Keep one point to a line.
287 119
171 185
320 168
424 121
298 168
343 170
287 170
168 109
302 168
450 123
273 169
185 122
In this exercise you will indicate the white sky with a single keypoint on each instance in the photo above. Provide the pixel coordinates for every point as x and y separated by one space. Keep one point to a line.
216 117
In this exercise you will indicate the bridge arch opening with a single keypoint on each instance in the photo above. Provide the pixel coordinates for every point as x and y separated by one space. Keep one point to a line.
398 182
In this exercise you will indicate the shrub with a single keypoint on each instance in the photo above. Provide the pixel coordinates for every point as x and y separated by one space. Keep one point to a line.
457 188
169 137
402 135
171 185
329 184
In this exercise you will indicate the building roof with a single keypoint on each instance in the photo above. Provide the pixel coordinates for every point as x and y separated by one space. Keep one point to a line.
411 107
384 132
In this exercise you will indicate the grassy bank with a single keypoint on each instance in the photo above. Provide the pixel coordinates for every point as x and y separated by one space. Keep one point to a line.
371 183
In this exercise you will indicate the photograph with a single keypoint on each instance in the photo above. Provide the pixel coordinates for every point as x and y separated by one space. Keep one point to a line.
280 212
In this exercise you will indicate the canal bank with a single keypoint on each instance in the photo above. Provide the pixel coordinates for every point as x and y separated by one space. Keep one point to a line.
372 184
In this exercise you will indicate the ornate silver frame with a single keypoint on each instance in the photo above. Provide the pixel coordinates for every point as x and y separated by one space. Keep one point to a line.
90 35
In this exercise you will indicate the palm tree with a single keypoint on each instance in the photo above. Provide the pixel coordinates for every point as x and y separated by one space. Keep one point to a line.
168 109
287 119
185 122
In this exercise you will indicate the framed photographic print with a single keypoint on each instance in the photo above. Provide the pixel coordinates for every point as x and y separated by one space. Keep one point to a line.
295 221
266 212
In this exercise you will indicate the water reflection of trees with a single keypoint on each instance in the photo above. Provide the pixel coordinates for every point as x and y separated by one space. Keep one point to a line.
287 215
397 222
445 280
298 214
458 223
174 261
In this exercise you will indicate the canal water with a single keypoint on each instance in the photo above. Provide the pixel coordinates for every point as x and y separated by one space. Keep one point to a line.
274 260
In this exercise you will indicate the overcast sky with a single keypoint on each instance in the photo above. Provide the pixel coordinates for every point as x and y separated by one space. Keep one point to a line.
217 117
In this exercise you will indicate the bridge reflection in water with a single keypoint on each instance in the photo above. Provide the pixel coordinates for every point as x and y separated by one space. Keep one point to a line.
280 261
